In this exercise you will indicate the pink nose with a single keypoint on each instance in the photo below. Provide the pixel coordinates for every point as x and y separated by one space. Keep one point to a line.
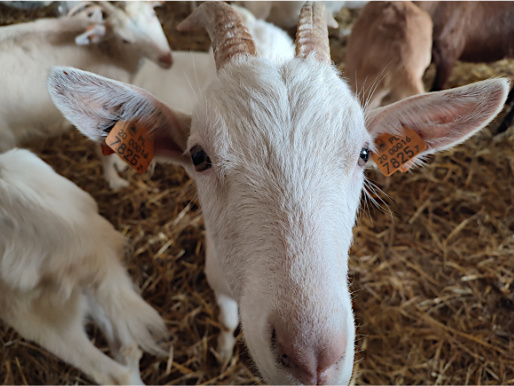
165 61
310 360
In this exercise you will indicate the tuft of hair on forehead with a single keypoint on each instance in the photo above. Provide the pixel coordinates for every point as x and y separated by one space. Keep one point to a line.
318 93
256 82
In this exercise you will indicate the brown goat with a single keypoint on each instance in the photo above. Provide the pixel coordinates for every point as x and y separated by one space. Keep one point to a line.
388 52
470 31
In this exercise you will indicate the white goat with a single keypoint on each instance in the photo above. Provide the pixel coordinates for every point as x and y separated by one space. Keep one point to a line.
60 262
192 72
114 47
397 36
285 13
278 154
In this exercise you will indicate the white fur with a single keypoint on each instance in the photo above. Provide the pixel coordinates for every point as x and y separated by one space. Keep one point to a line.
285 13
281 197
60 262
182 85
28 51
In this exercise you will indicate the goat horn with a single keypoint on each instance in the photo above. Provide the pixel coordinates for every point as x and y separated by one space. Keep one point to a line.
229 35
312 32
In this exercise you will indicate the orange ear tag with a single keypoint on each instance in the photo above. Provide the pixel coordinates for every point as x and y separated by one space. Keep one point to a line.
133 143
395 152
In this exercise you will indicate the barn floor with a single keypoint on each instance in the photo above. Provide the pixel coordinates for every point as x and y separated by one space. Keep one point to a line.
432 272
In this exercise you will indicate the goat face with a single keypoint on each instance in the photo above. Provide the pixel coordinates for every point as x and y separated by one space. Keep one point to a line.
279 198
141 28
134 28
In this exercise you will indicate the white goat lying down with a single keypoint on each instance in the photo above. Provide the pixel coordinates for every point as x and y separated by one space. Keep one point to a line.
278 153
113 47
60 262
192 72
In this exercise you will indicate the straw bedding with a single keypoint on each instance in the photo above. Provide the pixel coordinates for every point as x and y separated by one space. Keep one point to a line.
432 272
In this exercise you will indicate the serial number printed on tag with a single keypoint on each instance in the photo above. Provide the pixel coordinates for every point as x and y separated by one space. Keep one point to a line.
394 151
132 143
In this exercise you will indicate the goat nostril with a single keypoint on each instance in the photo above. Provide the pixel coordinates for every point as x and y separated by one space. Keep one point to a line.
283 358
285 361
166 60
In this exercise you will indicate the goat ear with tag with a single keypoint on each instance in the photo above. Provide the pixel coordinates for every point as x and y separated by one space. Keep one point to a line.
94 104
440 120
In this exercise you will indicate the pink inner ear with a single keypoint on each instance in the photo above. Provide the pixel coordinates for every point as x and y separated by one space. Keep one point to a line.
451 124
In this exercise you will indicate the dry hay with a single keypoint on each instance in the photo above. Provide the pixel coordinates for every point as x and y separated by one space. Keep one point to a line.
433 283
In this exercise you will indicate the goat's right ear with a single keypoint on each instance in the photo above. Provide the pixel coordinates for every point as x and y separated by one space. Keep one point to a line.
94 104
443 118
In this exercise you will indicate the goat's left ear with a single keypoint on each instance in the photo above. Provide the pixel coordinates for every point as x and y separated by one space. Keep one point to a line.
445 118
94 104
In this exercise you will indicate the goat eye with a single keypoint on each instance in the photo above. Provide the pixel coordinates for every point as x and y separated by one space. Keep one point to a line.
200 159
125 41
363 156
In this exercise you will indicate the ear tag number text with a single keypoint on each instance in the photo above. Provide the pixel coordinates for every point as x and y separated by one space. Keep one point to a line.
132 143
396 152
